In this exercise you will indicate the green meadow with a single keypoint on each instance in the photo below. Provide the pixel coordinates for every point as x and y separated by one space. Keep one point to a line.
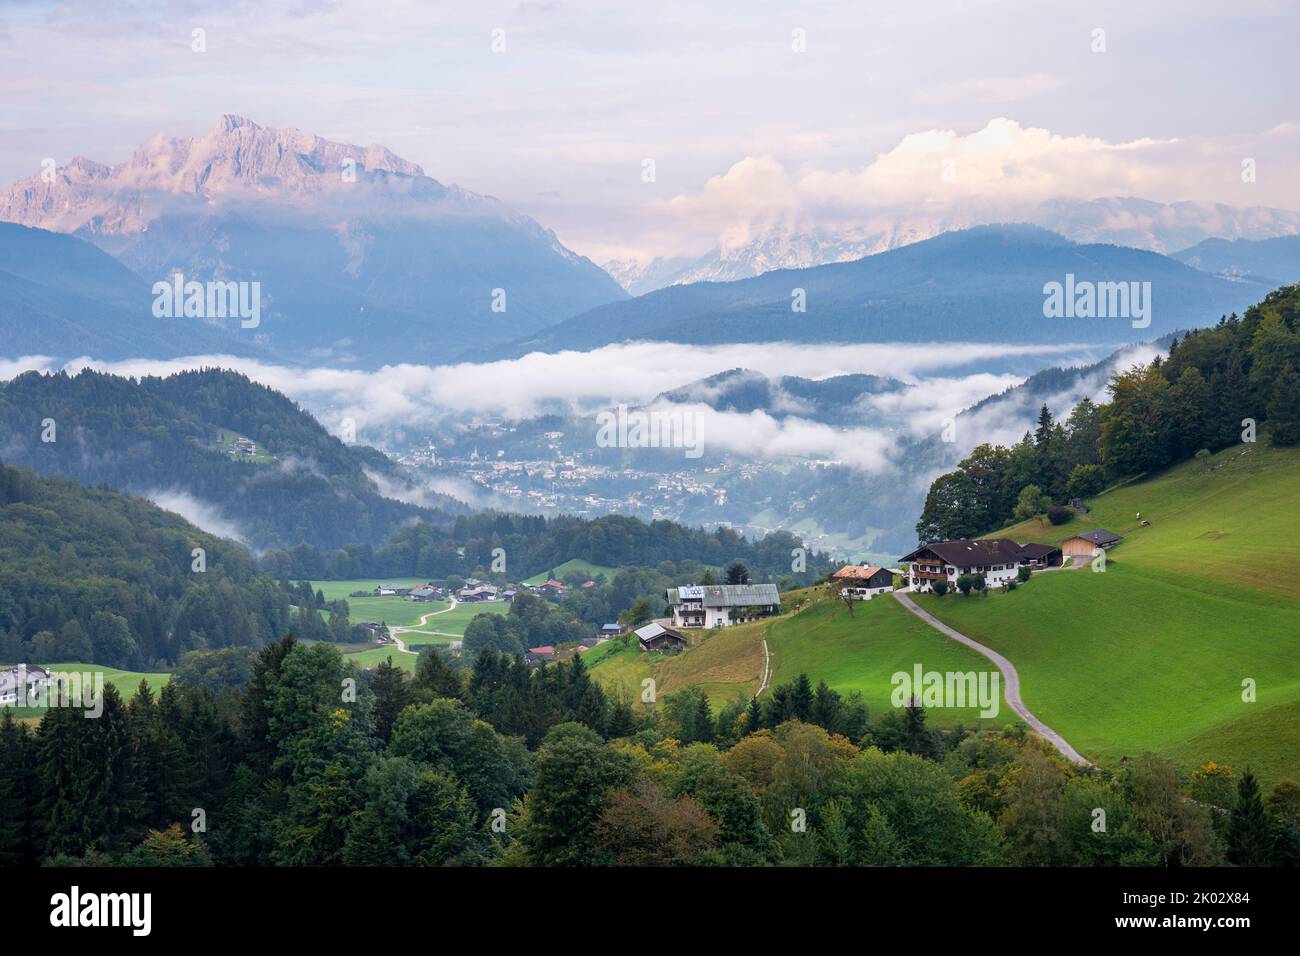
862 650
852 651
377 655
1153 653
451 622
126 682
391 609
573 564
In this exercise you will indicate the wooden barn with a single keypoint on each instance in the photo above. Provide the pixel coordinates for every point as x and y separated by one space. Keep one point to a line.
1084 544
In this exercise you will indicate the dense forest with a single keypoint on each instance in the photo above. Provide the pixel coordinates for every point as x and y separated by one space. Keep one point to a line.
533 544
158 435
1233 382
297 759
96 576
88 574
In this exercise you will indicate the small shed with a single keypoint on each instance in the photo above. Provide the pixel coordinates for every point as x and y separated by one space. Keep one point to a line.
656 637
1085 543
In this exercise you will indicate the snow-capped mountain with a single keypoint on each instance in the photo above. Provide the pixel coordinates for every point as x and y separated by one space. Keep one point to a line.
360 255
755 249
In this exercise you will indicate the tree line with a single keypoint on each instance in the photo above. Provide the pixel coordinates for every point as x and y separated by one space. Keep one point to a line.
1217 386
298 759
533 544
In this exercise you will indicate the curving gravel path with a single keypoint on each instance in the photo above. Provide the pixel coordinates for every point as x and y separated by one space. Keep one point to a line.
1010 679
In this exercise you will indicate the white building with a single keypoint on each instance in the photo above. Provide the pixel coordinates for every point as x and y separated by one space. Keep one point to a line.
719 605
22 681
996 560
863 582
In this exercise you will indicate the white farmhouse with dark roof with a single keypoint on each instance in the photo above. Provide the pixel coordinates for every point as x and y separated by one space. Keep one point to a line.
718 605
996 560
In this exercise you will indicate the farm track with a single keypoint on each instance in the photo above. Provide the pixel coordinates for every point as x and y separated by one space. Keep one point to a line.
395 630
1011 679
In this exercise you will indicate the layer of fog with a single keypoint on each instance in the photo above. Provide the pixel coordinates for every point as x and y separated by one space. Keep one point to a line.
402 400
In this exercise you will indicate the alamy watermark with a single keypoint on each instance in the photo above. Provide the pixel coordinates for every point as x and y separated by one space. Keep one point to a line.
657 428
948 689
214 299
1084 299
30 687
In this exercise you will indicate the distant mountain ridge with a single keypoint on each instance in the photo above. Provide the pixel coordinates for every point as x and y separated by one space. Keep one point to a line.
1121 220
984 284
361 257
836 400
65 298
1272 261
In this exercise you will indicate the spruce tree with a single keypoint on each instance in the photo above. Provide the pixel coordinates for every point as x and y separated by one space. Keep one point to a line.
392 694
622 722
801 698
1248 827
17 757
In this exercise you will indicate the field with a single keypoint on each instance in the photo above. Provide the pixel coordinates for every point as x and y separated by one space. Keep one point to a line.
451 624
862 651
377 655
858 652
726 663
1153 653
573 564
399 611
1238 524
126 682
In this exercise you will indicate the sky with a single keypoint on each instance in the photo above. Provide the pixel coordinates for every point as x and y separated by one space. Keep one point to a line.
749 110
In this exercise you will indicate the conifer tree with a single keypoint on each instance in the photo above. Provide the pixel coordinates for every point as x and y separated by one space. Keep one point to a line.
1248 828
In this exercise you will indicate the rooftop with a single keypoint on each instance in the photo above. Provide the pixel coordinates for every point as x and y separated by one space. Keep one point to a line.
727 595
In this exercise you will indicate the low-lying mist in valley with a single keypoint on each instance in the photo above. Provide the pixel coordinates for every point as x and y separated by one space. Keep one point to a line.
760 437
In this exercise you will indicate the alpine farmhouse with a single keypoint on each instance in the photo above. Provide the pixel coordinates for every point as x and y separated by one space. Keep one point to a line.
863 582
997 560
719 605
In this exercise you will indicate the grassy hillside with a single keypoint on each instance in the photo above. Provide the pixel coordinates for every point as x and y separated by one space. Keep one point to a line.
573 564
1152 653
851 652
1238 523
1125 661
451 625
863 650
391 609
377 655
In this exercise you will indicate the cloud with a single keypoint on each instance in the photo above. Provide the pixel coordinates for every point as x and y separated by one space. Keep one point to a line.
633 372
393 404
198 513
937 179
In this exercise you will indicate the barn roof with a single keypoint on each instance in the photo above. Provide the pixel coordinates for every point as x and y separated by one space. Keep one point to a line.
857 571
727 595
1099 536
965 553
654 631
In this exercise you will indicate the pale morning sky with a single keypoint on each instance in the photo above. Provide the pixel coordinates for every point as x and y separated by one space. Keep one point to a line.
736 119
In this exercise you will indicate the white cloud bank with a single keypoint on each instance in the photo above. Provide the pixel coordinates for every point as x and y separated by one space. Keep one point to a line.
409 397
939 179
